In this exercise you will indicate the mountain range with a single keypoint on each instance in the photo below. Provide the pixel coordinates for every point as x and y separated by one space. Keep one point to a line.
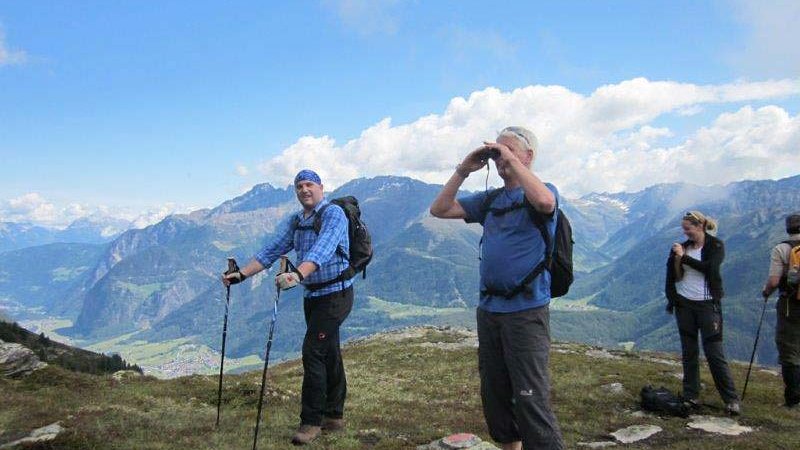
88 230
160 283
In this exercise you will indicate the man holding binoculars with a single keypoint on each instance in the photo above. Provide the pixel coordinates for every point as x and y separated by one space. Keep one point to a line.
513 319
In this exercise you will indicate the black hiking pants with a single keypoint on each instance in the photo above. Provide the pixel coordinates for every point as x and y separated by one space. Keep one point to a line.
787 338
324 381
704 317
513 355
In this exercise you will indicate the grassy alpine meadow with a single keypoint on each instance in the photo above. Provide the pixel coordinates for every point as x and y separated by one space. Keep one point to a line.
405 389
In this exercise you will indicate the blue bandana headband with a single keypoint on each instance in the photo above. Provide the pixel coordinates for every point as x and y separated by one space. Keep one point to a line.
307 175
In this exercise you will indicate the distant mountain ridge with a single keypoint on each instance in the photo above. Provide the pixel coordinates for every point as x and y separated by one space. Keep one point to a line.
86 230
162 281
750 216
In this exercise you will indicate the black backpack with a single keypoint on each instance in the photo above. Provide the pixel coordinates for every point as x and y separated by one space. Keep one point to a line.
558 252
360 240
663 401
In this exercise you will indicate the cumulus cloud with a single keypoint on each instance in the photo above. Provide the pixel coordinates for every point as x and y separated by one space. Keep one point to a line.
34 208
604 141
8 56
30 207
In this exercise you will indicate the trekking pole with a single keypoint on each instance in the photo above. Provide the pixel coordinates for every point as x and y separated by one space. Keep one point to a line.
232 267
755 345
282 269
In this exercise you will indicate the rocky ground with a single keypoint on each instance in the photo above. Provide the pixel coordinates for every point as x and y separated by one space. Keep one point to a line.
410 388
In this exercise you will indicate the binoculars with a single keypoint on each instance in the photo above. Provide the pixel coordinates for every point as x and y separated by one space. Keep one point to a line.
488 153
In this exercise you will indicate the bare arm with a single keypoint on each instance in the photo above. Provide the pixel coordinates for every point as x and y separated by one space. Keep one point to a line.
252 268
306 268
535 190
445 206
539 196
776 270
770 286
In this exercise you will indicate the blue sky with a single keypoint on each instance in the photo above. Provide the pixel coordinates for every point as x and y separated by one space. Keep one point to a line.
158 106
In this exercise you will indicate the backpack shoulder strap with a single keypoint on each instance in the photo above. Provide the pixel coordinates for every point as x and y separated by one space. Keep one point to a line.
318 218
487 203
318 228
540 220
791 243
296 223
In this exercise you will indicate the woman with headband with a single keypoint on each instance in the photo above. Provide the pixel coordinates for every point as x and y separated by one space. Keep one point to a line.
694 291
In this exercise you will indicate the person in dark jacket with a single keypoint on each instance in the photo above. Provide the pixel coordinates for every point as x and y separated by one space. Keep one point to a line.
694 292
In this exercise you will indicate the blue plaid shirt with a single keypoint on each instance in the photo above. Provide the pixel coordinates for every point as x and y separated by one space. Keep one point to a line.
320 250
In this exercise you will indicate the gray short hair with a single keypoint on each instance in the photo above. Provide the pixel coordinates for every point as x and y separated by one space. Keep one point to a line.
524 136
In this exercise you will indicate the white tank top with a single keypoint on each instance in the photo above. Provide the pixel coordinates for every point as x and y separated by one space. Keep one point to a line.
693 283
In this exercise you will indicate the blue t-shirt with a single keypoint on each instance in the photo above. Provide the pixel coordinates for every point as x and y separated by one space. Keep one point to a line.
512 247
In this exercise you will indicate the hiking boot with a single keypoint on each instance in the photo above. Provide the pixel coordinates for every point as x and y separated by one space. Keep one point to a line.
306 434
733 408
330 424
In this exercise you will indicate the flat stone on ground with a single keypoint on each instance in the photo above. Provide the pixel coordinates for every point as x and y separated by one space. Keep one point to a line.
461 440
718 425
635 433
458 441
613 388
46 433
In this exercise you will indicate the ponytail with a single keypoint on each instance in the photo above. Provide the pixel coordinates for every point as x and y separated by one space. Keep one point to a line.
711 226
697 218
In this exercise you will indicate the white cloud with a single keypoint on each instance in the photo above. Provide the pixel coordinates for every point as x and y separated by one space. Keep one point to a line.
9 57
34 208
242 170
606 141
157 214
770 48
30 207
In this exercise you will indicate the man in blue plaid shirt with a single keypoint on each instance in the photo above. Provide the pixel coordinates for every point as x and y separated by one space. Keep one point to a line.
327 301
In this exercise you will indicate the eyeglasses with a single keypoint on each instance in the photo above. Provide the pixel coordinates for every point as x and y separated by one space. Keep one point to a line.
692 217
519 135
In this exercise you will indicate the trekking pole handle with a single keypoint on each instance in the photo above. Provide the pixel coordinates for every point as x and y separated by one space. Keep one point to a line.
284 267
232 266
